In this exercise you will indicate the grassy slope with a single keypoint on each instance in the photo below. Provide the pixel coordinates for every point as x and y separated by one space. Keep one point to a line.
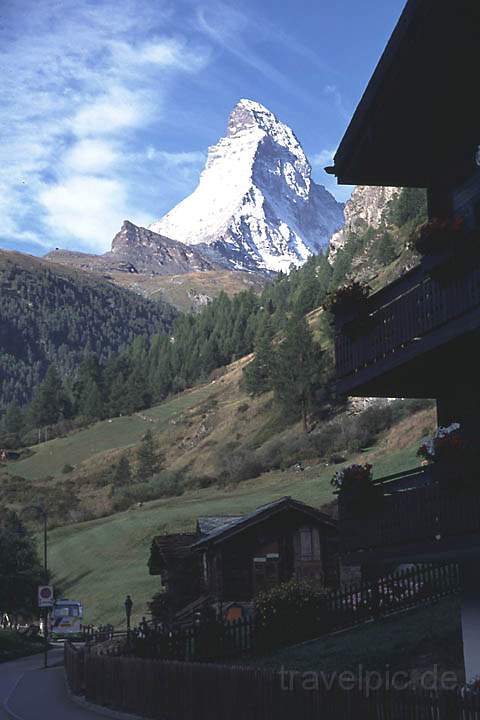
101 560
120 544
181 290
418 639
120 432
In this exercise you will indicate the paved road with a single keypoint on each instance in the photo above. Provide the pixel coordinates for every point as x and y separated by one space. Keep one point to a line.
33 693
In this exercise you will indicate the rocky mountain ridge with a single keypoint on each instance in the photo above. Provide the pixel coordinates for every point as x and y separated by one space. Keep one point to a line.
138 250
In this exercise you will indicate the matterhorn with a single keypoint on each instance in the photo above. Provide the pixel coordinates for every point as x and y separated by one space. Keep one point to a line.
256 206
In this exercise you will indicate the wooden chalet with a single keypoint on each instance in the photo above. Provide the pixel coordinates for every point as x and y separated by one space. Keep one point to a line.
418 125
179 569
230 559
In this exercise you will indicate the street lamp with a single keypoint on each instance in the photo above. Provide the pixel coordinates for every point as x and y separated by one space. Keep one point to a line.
128 613
41 511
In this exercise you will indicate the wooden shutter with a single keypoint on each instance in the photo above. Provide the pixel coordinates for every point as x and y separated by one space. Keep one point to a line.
316 551
306 550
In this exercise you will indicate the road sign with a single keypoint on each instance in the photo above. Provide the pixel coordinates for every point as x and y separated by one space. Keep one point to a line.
45 595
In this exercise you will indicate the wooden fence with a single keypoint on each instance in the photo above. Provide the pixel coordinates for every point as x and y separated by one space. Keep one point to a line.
392 593
337 610
165 690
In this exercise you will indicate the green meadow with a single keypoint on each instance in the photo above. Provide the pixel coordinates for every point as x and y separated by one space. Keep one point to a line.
100 561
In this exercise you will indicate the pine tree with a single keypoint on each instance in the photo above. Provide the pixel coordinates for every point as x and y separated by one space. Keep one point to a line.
50 402
91 405
258 373
13 421
409 205
297 369
385 249
147 461
123 474
116 400
20 569
136 392
89 377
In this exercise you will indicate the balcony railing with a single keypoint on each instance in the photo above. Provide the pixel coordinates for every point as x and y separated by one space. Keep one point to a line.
415 512
425 299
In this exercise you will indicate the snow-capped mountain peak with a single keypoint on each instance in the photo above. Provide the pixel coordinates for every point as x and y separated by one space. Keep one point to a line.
256 203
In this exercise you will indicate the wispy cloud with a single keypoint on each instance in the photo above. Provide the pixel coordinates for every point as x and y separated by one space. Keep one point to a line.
319 162
240 34
337 97
81 87
322 159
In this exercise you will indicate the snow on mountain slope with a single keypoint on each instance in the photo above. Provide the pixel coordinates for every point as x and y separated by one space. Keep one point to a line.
256 203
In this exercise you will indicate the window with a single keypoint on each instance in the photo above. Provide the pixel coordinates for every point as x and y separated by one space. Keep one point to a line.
66 611
307 544
60 612
266 571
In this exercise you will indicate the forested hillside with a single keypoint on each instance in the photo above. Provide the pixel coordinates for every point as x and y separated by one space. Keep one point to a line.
50 314
167 430
288 358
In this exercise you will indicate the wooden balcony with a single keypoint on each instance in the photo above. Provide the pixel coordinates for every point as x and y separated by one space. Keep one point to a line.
418 519
384 351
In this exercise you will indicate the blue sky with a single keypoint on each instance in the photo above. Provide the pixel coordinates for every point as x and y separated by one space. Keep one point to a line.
107 108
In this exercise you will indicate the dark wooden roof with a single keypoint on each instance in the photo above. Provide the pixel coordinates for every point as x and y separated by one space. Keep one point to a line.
209 523
418 122
166 550
261 514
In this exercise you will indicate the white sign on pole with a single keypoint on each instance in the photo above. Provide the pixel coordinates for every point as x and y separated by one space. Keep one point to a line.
45 595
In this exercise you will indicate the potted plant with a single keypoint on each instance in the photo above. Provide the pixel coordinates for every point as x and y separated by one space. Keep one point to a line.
356 488
437 236
447 452
349 301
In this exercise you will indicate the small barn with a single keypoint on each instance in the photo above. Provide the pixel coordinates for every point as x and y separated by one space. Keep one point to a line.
230 559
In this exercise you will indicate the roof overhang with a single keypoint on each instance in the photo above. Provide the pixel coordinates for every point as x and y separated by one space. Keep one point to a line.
259 516
418 122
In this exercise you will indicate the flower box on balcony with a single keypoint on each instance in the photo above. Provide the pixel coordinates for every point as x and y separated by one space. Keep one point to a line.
437 236
356 490
348 304
454 262
452 462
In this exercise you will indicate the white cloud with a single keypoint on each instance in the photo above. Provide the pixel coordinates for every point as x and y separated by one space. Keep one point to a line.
165 52
88 208
79 88
322 158
90 155
234 31
117 110
319 162
176 159
333 92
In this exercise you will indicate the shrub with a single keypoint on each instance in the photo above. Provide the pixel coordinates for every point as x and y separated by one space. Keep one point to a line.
122 502
348 479
238 465
203 481
336 459
164 484
286 451
352 295
67 469
289 613
356 488
326 439
9 441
